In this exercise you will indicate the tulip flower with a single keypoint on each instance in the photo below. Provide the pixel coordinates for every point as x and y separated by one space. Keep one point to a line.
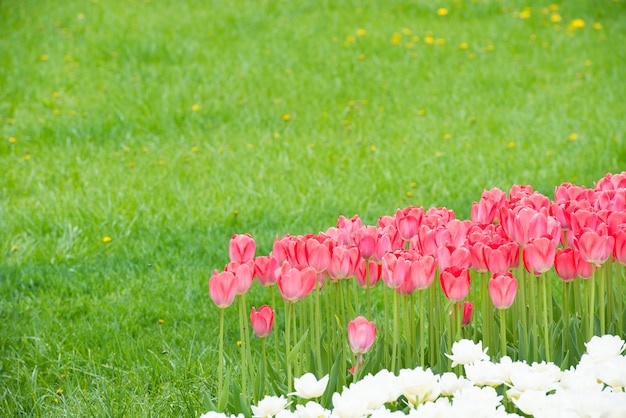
262 321
408 221
455 283
539 255
468 309
223 288
502 289
265 269
241 248
595 247
343 262
486 210
308 387
361 334
244 272
295 284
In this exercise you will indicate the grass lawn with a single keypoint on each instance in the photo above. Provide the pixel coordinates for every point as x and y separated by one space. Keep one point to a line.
137 136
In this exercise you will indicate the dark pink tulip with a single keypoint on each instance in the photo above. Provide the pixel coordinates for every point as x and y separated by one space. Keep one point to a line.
477 254
565 264
361 335
265 269
616 221
366 239
501 258
374 271
539 255
583 219
468 308
241 248
485 211
295 284
424 242
244 272
595 247
502 289
262 321
223 288
343 262
619 250
455 283
280 250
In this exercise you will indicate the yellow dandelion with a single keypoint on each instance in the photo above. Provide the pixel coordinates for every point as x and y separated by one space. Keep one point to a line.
276 135
396 38
195 149
80 16
525 13
576 24
161 321
406 31
447 136
26 157
364 102
56 112
12 140
288 71
195 107
597 26
421 112
131 164
512 144
43 57
549 153
126 149
361 57
372 148
59 391
413 185
555 18
463 46
441 41
346 122
239 343
10 121
415 39
56 94
106 239
409 45
554 7
250 146
429 40
438 154
144 149
490 48
286 117
572 136
14 248
278 100
442 11
409 193
161 162
361 32
68 58
587 63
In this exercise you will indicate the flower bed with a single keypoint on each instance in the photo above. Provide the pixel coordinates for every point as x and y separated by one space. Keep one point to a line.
531 278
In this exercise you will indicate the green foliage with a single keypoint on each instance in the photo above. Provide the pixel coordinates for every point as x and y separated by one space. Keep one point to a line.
161 125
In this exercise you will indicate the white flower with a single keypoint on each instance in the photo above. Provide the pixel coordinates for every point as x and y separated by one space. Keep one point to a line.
530 401
613 372
312 410
450 383
467 352
308 387
605 348
348 404
269 407
419 385
485 373
377 390
483 401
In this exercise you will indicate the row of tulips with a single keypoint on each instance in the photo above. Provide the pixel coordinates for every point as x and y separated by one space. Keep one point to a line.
512 271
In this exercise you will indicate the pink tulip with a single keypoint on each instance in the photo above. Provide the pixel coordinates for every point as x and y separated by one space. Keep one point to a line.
244 272
374 270
295 284
595 247
348 228
539 255
502 289
450 256
565 264
395 269
343 262
317 254
501 258
468 308
241 248
361 334
265 269
485 211
619 250
262 321
455 283
408 220
366 239
477 253
223 288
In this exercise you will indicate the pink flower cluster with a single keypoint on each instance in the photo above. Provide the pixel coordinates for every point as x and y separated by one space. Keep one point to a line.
574 233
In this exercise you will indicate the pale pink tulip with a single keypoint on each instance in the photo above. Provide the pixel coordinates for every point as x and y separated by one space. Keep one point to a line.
361 335
223 288
265 269
343 262
539 255
595 247
502 289
262 321
295 284
241 248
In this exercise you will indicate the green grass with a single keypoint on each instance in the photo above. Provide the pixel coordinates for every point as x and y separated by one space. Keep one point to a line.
99 98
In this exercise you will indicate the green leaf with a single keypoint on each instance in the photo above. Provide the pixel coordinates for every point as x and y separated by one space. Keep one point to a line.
295 350
333 380
223 397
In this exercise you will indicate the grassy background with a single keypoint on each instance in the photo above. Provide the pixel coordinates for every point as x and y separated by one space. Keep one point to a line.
162 126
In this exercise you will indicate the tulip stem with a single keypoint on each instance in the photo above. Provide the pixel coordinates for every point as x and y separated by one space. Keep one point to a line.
422 325
288 306
318 329
502 332
395 331
242 341
602 306
521 311
592 301
220 373
565 315
367 289
620 295
546 327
